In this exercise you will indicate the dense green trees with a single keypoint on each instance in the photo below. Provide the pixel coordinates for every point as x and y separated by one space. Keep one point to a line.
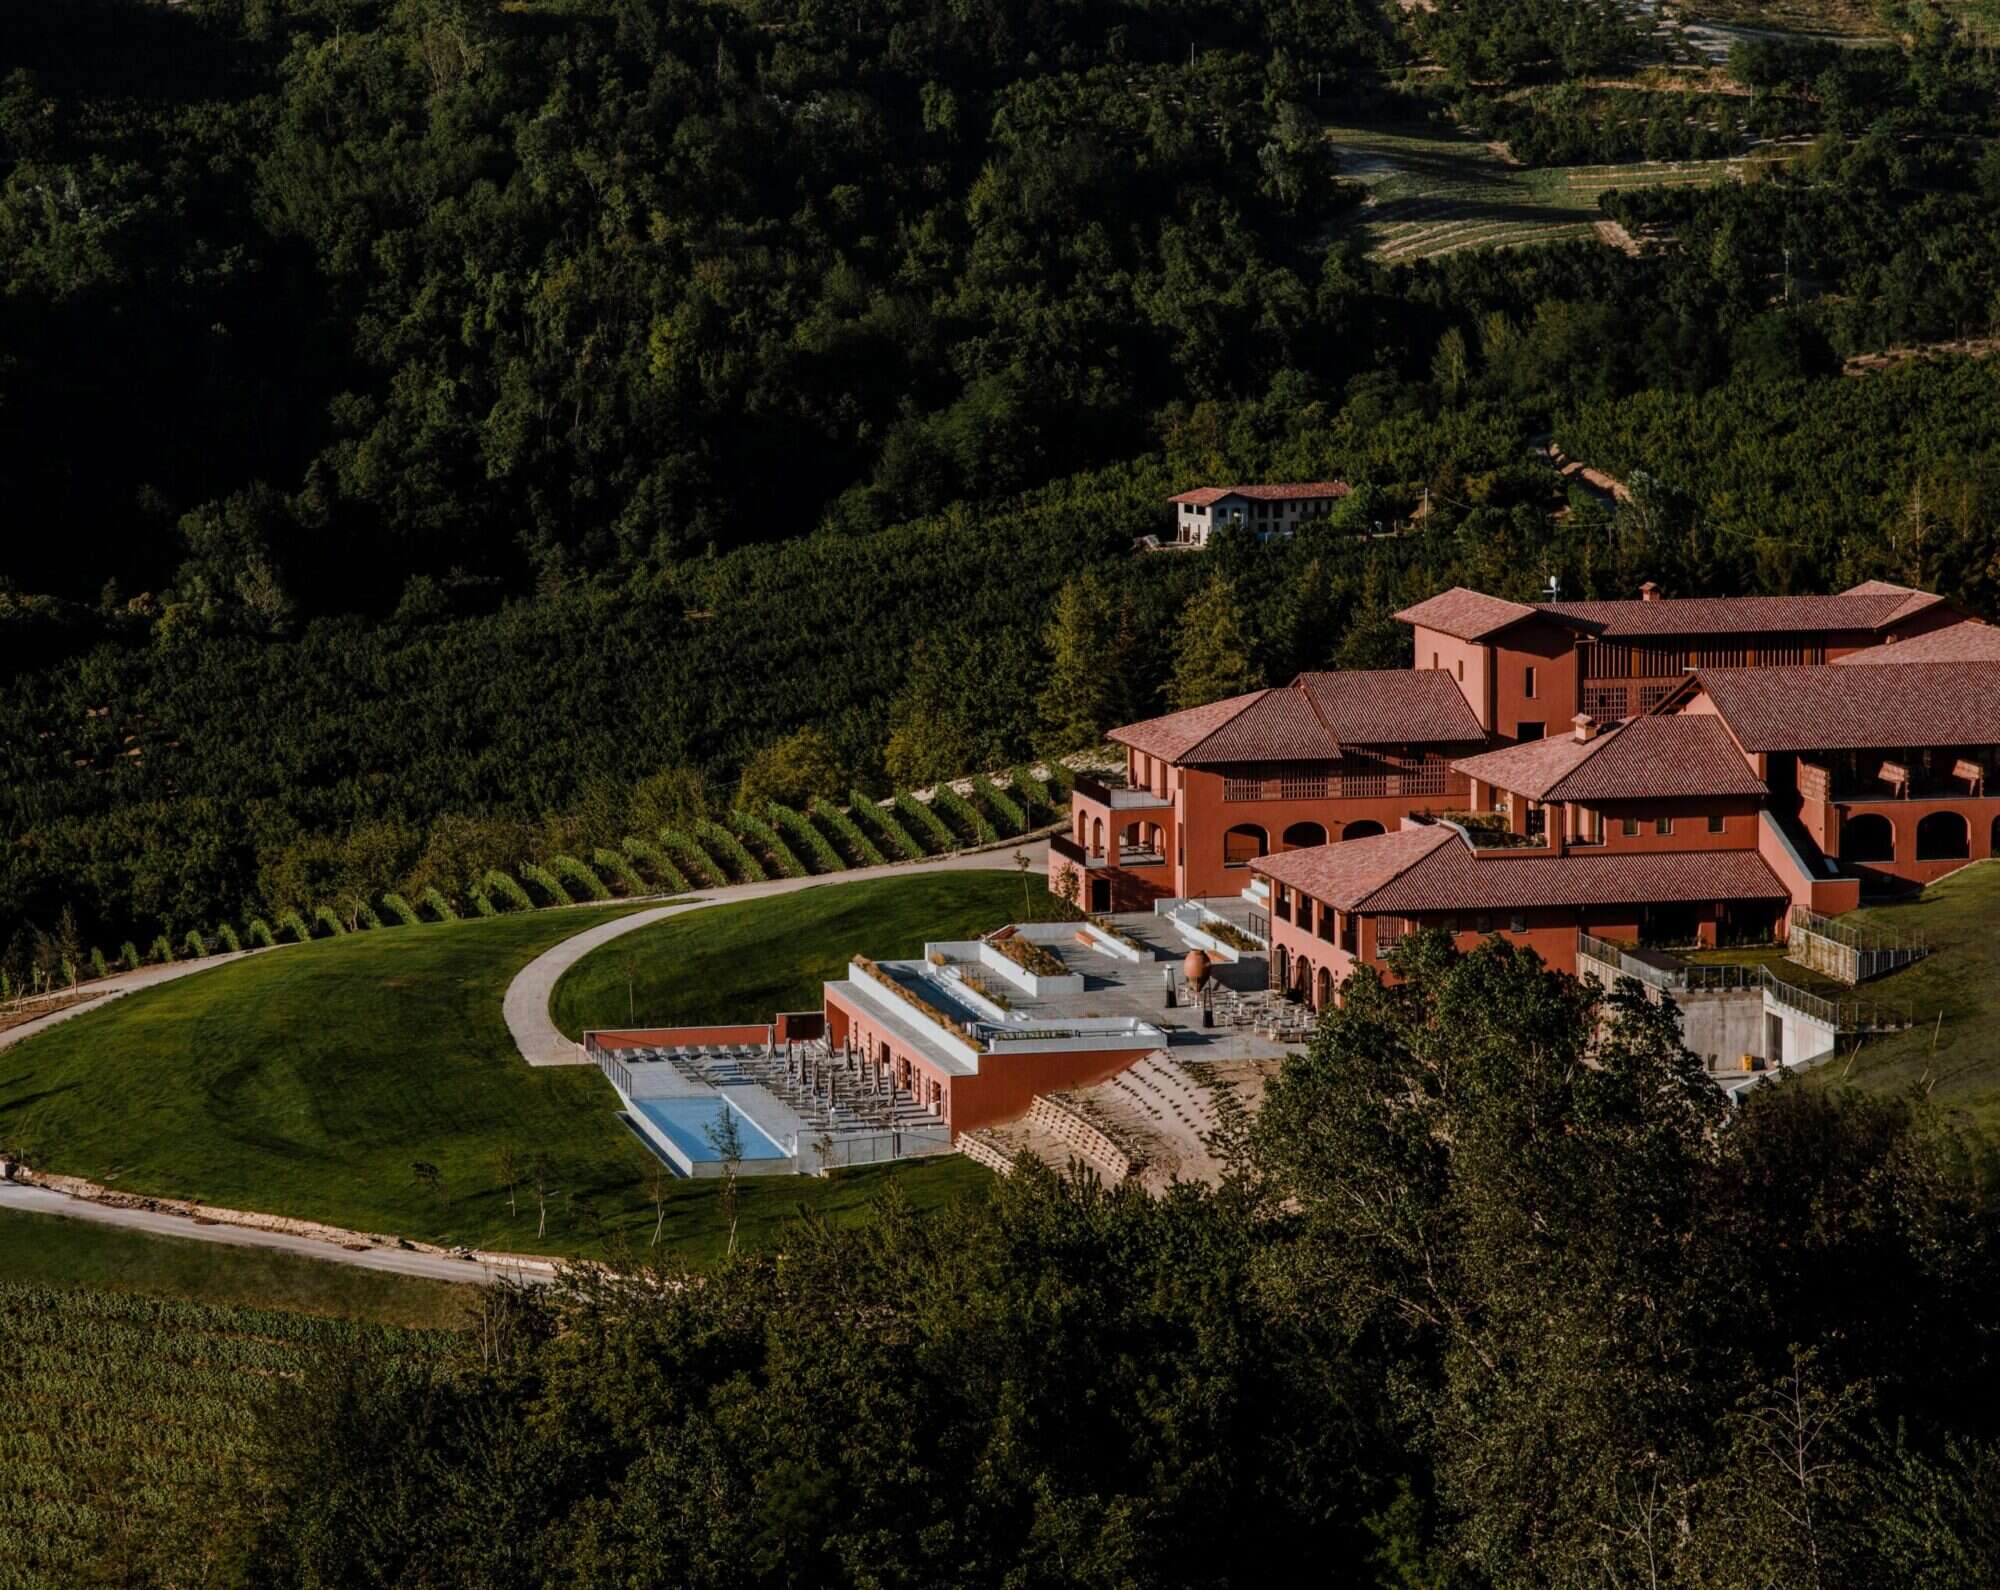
1497 1295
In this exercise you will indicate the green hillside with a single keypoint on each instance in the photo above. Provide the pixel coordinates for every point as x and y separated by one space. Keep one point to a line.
309 1081
743 962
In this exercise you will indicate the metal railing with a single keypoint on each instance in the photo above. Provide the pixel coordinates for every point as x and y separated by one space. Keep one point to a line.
1840 1015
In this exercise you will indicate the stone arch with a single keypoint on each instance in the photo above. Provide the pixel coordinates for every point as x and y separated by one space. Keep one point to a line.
1303 836
1243 844
1868 836
1944 836
1362 828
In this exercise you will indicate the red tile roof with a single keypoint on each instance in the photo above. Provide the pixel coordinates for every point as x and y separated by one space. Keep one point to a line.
1970 641
1172 736
1309 720
1465 614
1434 869
1294 491
1391 706
1648 758
1857 709
1731 615
1455 879
1346 873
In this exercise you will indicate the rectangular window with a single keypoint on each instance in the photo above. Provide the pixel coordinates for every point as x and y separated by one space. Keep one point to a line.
1629 827
1714 823
1461 670
1518 922
1528 683
1483 924
1434 660
1663 825
1530 731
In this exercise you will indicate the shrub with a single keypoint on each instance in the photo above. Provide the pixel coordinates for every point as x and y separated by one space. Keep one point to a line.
1062 778
482 902
194 944
363 915
824 857
621 870
400 909
289 921
925 823
130 957
331 918
99 966
545 880
649 855
230 941
863 849
760 833
883 820
439 906
728 849
580 875
1007 813
701 866
258 932
163 950
1029 956
1031 795
507 888
948 803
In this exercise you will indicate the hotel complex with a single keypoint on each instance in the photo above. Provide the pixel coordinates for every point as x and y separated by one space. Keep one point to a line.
1595 781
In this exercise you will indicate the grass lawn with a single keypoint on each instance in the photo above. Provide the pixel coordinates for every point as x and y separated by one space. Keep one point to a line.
738 963
307 1081
49 1250
1961 979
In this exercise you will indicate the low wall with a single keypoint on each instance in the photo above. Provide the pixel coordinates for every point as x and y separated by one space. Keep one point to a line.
1091 1143
677 1037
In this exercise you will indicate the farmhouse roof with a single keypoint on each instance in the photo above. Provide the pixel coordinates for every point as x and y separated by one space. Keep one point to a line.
1738 615
1289 491
1855 709
1648 758
1434 869
1970 641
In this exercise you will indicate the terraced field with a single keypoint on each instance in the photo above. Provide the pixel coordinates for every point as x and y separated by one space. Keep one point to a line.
1431 194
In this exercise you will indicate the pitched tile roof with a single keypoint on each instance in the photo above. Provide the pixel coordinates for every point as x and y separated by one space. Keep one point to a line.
1740 615
1650 757
1970 641
1291 491
1466 614
1346 873
1855 709
1453 878
1434 869
1391 706
1278 726
1173 735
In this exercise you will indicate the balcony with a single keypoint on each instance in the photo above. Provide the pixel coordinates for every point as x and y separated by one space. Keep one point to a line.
1435 778
1888 778
1066 847
1111 791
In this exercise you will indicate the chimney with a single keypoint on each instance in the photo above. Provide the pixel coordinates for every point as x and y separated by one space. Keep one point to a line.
1586 727
1649 592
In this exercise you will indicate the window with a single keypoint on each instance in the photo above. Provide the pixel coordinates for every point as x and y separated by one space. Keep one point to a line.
1461 670
1434 661
1482 924
1242 845
1714 823
1528 683
1530 731
1518 922
1663 825
1629 827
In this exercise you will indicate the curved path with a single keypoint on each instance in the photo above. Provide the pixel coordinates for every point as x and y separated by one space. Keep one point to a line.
163 1223
527 1003
109 988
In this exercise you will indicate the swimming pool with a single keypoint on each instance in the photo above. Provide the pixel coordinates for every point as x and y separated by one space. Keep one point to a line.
686 1125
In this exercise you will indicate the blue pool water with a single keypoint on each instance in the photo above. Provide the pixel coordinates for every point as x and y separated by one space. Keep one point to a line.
686 1123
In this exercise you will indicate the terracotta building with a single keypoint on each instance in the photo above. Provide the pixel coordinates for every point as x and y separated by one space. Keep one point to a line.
1651 771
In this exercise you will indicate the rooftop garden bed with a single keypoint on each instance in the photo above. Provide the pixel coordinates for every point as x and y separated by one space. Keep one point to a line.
1031 957
915 1001
1232 935
1111 930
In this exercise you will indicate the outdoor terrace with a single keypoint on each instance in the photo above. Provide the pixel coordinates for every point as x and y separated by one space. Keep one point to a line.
1115 792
